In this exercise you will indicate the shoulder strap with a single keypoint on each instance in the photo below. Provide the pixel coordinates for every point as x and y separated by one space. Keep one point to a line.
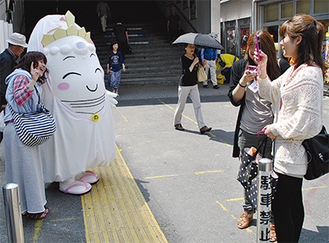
39 102
263 142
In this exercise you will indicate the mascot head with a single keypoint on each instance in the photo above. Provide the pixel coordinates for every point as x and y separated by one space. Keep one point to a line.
75 74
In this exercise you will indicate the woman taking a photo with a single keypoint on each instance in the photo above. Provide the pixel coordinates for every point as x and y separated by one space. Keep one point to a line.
23 163
297 98
255 112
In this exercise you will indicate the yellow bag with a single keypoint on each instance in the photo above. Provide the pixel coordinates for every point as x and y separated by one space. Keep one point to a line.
220 78
201 74
218 66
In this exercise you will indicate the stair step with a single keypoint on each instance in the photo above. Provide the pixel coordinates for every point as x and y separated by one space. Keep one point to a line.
152 64
155 81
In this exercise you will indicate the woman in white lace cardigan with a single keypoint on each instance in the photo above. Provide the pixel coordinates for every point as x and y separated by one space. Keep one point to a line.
297 99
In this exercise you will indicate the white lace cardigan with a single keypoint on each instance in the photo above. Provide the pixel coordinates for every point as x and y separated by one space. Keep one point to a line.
297 102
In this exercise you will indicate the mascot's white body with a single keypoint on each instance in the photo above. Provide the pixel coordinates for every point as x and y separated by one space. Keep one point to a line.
76 96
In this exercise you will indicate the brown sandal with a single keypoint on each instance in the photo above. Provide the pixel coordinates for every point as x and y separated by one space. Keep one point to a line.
272 233
245 220
36 216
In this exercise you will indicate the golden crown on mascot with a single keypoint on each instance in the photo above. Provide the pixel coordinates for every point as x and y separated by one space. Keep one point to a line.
76 96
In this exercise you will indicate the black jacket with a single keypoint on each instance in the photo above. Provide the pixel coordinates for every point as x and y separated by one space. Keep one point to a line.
7 66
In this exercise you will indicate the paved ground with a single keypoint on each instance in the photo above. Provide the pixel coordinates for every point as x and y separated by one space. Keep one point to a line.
166 185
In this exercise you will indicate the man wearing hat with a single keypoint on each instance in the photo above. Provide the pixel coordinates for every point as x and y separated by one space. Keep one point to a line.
8 61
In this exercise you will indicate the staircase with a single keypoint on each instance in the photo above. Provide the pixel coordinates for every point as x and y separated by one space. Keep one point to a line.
153 61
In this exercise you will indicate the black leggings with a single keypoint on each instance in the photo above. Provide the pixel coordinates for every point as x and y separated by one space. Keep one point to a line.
288 208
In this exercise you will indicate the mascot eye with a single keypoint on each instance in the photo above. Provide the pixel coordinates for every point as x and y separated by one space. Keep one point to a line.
68 57
92 54
97 69
70 73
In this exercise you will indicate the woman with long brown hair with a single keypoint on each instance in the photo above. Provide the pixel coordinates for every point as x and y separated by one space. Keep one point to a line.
297 98
255 112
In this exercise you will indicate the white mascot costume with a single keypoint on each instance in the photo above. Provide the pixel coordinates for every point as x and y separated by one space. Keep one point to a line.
76 96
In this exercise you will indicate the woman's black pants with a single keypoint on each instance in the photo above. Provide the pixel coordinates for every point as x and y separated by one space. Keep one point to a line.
288 208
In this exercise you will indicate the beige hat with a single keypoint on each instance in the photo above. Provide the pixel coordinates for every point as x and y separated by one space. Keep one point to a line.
17 40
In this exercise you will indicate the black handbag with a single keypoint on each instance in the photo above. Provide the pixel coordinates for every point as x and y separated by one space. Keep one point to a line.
317 149
248 173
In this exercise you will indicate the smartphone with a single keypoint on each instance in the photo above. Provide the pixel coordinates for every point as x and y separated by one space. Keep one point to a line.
252 69
258 47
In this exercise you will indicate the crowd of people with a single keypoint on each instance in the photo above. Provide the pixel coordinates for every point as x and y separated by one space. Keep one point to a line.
285 101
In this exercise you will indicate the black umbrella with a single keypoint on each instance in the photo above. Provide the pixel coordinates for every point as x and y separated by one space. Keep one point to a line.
202 40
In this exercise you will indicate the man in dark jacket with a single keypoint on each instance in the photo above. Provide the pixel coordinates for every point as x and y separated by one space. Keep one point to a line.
121 36
8 61
173 25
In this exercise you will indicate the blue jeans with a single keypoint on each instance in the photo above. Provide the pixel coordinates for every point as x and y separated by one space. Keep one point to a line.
114 79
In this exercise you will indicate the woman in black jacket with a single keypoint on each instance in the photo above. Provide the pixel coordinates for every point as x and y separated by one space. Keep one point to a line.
255 112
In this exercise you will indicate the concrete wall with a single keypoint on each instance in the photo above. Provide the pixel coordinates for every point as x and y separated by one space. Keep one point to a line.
235 9
215 20
2 10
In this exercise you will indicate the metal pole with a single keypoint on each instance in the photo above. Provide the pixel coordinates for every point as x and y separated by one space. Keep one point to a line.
264 201
13 213
253 16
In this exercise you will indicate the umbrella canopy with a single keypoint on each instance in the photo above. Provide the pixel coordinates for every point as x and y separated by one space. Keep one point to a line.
198 39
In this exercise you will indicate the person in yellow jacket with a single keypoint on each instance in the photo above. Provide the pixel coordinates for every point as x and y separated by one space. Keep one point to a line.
226 61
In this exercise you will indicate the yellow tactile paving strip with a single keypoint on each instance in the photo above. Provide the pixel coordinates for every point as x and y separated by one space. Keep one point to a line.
115 209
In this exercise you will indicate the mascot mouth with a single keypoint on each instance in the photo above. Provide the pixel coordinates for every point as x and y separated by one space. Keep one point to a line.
85 106
92 90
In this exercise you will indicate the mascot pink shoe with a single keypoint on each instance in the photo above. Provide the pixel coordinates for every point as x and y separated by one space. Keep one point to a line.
88 177
74 187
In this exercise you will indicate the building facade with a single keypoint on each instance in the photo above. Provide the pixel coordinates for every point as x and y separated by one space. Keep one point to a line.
238 19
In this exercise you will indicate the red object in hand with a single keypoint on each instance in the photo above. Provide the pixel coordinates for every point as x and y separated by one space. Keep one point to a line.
261 132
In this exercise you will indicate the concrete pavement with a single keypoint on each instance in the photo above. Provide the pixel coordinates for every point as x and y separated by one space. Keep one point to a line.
187 180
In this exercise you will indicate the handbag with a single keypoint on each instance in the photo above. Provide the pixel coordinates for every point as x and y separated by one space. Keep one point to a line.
248 167
317 149
248 172
201 74
34 128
